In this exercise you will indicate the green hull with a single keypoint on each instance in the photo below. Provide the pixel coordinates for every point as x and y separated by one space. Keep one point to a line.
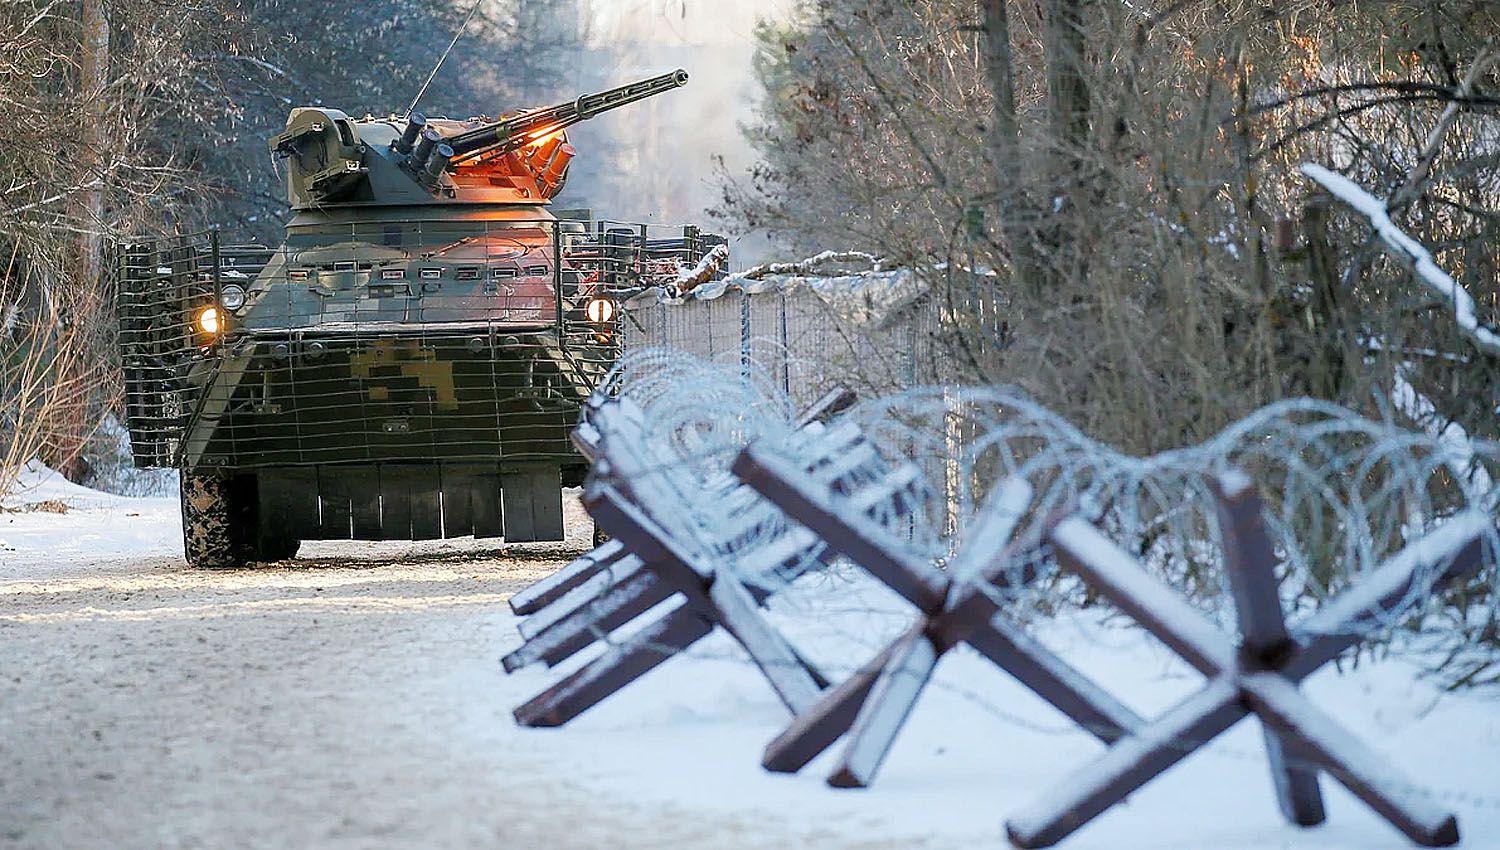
477 394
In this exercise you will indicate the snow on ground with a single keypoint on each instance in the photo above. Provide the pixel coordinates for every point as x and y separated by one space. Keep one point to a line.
979 746
685 742
97 527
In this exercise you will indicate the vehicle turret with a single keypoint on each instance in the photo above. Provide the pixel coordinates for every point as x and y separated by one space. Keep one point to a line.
519 158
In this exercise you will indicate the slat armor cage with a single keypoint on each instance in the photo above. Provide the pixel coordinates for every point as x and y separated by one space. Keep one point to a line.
379 342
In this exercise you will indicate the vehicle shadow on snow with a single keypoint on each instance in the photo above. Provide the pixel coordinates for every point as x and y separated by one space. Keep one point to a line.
345 555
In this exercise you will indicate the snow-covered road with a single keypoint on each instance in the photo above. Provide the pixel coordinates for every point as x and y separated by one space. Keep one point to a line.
333 703
353 698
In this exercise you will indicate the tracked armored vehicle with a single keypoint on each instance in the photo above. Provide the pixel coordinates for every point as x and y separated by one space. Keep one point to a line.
408 363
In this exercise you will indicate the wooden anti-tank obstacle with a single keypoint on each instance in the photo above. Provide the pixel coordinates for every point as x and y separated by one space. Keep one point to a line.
1258 675
954 607
645 565
586 439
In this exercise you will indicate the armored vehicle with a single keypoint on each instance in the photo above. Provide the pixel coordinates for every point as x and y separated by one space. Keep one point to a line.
409 362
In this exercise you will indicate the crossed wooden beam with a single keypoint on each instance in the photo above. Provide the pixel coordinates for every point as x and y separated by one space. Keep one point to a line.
1257 674
586 439
957 606
648 563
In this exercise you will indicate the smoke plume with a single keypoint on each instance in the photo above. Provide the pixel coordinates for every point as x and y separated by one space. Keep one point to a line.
655 161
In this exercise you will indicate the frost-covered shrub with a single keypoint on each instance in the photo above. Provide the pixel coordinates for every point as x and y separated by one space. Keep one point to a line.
111 467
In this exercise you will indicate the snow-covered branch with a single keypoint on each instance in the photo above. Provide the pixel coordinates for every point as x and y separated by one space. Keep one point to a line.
711 264
1413 254
812 266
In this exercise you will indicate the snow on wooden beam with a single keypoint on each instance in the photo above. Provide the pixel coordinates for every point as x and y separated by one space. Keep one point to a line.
955 607
1085 550
891 699
583 597
600 615
1258 674
1454 550
646 565
543 593
601 678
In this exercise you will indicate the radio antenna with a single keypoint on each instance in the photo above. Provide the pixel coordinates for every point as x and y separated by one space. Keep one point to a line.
441 59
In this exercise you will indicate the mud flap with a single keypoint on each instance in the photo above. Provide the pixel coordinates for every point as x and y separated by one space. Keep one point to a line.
289 503
485 505
531 503
413 502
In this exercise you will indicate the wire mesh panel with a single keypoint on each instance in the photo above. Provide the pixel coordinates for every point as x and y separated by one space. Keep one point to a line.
876 331
166 287
642 327
764 324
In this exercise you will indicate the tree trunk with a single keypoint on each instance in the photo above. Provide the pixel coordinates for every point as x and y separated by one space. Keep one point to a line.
93 76
1068 119
1005 145
1067 87
85 296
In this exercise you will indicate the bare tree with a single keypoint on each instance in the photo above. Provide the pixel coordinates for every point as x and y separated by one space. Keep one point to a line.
1137 163
130 117
88 82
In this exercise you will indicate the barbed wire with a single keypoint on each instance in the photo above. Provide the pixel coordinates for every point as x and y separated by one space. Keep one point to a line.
1342 492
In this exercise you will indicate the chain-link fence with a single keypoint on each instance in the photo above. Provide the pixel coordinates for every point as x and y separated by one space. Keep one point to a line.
873 332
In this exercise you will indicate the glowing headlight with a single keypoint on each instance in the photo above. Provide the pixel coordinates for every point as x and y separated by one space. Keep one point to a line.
232 297
209 321
600 311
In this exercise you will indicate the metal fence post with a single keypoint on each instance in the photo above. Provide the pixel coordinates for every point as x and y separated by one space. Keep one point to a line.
745 331
786 354
213 241
557 279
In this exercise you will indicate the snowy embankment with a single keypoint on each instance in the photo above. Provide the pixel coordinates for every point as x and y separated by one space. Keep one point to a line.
49 520
686 741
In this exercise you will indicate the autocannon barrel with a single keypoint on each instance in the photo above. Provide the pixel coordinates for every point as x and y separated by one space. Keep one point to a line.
519 130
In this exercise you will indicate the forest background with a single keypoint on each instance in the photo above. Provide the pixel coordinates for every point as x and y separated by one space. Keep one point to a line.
1117 181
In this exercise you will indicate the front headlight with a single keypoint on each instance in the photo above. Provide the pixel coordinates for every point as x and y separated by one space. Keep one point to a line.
600 310
209 321
232 297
